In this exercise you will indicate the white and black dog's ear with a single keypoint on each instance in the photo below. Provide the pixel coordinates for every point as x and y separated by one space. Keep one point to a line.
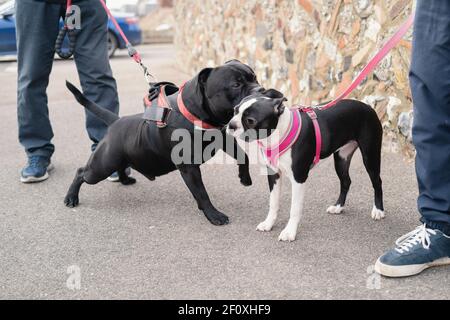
278 99
279 105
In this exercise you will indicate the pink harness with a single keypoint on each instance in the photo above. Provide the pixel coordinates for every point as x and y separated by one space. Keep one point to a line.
273 153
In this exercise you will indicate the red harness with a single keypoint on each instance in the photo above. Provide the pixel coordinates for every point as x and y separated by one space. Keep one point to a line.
158 108
200 124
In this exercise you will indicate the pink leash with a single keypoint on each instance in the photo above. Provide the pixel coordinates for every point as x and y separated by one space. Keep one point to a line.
374 61
69 7
132 52
273 154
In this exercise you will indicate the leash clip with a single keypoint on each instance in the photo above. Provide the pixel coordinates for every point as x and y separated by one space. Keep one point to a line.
133 53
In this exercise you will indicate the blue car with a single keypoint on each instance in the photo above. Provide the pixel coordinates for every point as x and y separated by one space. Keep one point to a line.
127 22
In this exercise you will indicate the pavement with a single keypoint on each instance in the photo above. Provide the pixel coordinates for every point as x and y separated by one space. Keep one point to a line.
149 241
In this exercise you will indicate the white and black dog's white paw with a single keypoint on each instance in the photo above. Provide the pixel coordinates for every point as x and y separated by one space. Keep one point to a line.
337 209
265 226
288 235
377 214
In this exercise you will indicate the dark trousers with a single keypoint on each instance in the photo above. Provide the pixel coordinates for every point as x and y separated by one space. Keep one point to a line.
430 86
37 25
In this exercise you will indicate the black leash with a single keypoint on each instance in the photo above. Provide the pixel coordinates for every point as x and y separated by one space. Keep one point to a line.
71 35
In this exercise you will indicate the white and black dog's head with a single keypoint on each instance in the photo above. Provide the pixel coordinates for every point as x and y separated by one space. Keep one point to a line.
256 117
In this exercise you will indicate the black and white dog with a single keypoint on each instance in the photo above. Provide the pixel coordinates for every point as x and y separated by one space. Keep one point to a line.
345 127
134 142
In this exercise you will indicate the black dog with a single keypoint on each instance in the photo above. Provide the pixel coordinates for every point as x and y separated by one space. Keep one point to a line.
134 142
345 127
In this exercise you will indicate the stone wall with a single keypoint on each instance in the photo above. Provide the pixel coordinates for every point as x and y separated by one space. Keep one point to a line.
309 49
165 3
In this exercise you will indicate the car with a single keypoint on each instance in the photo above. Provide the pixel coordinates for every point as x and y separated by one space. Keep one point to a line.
128 22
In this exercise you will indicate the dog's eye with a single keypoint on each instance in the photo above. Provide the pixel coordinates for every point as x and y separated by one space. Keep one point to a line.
251 122
236 85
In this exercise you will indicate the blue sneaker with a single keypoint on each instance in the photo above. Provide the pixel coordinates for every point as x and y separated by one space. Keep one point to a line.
416 251
36 170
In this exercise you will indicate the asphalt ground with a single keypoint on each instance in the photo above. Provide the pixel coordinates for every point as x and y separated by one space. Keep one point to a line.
149 241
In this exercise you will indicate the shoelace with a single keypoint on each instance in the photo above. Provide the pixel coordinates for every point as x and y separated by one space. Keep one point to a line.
419 235
34 162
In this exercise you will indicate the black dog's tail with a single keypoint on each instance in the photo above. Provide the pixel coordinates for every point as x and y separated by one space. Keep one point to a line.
105 115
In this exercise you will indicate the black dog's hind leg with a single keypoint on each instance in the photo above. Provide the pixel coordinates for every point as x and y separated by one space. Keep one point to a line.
193 178
71 200
124 178
342 165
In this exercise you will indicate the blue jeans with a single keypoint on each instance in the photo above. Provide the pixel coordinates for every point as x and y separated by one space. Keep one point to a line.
37 26
430 86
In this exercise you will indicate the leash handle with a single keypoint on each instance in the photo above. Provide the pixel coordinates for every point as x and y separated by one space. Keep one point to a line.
374 61
60 40
65 30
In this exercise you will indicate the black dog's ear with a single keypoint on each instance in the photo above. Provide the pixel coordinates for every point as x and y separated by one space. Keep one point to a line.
274 94
200 80
203 75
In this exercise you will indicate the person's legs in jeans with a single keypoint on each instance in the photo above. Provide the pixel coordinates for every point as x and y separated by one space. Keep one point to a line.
37 25
428 245
430 87
94 70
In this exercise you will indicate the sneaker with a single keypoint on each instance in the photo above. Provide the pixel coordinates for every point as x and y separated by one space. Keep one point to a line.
416 251
115 176
36 170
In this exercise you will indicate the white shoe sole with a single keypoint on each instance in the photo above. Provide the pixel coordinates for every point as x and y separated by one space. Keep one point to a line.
116 179
37 179
111 179
409 270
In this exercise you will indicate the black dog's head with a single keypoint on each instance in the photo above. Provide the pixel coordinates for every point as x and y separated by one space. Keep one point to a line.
256 117
220 89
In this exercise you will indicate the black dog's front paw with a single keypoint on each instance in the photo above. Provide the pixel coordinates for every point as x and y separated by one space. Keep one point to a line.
244 175
128 181
71 201
217 218
246 180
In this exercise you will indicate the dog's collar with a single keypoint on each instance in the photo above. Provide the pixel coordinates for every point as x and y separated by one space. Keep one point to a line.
199 124
272 153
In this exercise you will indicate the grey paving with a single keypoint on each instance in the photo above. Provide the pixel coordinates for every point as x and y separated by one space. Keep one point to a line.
149 240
